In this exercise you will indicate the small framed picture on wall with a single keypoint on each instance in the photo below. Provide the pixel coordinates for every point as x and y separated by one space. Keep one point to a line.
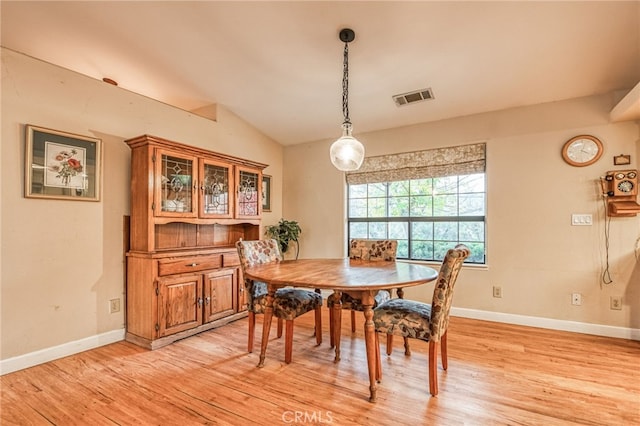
621 160
266 193
62 165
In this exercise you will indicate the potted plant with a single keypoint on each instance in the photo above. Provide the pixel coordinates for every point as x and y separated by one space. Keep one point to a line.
284 232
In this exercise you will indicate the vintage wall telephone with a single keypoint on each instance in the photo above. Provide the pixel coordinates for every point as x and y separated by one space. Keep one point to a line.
621 190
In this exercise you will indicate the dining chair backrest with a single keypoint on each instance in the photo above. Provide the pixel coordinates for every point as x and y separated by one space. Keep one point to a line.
256 252
253 253
373 250
443 291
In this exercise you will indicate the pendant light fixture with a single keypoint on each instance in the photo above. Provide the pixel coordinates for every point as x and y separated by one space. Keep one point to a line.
347 152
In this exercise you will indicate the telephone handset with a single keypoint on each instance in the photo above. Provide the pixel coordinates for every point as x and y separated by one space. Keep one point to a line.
621 189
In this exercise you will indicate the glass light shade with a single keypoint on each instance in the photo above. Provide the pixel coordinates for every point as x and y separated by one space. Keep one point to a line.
347 153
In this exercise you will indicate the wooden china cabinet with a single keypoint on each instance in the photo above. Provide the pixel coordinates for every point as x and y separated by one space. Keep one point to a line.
189 206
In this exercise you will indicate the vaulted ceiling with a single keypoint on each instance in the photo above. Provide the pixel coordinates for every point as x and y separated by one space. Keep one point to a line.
278 64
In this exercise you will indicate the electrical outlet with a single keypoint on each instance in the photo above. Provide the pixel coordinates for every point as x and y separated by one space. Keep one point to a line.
615 303
114 306
576 299
497 291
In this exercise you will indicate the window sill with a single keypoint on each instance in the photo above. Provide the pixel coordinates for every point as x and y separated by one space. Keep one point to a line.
477 266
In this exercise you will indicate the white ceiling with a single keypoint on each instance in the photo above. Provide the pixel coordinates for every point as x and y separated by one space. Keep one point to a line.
278 65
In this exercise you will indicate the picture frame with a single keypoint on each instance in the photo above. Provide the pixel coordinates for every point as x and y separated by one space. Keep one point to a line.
622 160
61 165
266 193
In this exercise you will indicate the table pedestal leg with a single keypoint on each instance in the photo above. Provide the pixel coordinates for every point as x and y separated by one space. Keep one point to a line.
266 326
370 341
337 321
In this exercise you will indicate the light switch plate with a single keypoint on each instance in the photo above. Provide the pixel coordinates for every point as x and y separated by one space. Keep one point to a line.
581 220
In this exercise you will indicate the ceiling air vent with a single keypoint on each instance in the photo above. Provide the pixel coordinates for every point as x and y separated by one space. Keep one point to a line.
411 97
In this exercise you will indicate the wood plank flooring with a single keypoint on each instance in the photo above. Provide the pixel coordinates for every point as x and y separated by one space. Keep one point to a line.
498 375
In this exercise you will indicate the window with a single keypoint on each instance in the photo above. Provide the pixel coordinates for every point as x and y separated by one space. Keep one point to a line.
422 202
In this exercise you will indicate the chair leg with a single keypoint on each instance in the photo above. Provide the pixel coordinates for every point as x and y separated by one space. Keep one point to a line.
407 348
353 321
389 344
433 368
317 291
332 342
378 360
279 328
288 341
443 351
252 331
318 329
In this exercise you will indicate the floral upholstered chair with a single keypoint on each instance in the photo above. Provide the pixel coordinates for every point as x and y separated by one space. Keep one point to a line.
418 320
288 304
366 250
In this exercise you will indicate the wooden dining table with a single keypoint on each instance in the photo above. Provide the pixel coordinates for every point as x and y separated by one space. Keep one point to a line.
358 278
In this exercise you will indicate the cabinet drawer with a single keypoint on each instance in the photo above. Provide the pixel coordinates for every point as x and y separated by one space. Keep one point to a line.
183 265
230 259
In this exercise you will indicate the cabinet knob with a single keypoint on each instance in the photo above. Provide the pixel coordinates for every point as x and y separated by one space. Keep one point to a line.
207 300
193 264
200 301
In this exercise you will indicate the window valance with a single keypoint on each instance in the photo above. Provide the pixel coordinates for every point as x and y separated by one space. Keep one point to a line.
457 160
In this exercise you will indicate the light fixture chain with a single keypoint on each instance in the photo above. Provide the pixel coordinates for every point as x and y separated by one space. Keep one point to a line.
346 153
345 85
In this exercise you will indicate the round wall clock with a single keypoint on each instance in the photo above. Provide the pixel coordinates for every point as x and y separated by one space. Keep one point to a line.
582 150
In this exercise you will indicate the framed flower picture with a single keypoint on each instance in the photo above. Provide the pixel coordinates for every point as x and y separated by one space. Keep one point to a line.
62 165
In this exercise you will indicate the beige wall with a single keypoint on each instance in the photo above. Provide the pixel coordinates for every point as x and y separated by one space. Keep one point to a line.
62 261
533 252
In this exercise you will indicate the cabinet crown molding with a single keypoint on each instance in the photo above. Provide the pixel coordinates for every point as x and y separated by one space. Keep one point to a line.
188 149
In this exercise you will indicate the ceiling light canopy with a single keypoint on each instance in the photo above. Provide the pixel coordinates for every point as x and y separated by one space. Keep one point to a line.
347 153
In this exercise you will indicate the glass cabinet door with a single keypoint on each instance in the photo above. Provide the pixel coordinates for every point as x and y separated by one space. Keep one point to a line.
249 201
216 195
177 180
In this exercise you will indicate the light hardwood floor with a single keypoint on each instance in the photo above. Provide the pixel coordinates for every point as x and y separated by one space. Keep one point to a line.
498 375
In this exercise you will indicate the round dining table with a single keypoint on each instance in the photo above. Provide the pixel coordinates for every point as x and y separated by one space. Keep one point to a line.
359 278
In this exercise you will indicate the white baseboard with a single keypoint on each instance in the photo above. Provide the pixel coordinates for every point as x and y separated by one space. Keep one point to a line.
20 362
553 324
